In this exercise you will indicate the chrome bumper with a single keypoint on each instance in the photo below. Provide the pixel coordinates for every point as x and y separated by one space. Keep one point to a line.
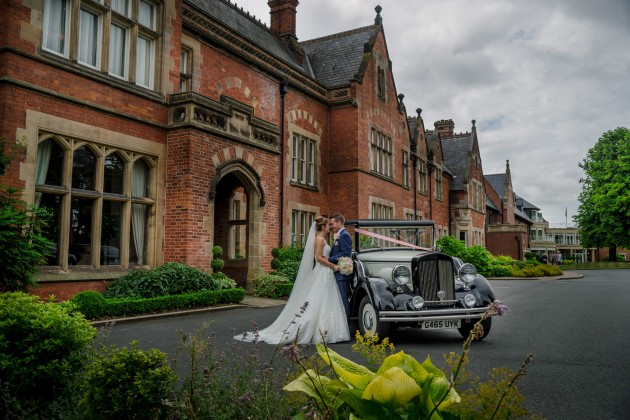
431 314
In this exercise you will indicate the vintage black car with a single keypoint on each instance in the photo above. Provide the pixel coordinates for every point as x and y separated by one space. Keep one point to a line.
400 280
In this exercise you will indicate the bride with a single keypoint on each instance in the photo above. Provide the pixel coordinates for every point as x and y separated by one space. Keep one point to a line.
314 311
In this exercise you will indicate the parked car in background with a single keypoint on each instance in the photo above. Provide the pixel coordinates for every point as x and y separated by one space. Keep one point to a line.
401 280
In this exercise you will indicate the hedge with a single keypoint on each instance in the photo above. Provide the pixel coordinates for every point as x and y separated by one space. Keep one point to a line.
116 307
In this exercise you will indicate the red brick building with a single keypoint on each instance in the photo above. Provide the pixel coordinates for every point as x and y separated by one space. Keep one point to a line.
155 130
508 221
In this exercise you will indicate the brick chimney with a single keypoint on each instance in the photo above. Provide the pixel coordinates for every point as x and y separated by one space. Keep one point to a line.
445 128
283 17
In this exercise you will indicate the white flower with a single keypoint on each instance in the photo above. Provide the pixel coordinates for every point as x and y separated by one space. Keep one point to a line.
345 265
336 236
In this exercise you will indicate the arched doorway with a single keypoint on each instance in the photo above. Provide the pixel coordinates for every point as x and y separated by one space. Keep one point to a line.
230 226
238 207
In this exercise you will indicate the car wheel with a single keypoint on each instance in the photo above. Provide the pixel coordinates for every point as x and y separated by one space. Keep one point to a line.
467 327
369 322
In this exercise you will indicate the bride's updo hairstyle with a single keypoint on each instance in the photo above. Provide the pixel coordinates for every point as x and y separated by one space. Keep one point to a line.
320 223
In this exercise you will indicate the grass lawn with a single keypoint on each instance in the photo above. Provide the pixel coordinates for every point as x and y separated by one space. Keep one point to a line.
594 266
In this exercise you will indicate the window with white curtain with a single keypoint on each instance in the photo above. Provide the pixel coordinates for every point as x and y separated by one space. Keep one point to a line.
301 222
144 62
119 38
92 217
303 160
89 39
118 50
56 30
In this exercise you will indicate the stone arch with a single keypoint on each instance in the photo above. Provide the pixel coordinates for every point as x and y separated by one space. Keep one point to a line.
237 83
232 175
301 114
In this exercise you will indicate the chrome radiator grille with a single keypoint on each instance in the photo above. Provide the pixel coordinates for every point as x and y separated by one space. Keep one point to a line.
433 273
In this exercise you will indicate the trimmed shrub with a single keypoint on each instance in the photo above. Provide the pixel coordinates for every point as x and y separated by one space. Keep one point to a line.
286 260
92 304
268 285
134 306
217 265
500 271
129 383
169 279
42 346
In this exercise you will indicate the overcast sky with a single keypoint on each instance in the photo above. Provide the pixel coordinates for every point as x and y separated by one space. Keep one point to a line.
544 79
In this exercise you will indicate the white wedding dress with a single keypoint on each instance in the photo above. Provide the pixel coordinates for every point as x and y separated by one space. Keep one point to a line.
324 317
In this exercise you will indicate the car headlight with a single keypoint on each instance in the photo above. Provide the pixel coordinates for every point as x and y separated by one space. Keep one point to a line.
401 275
417 302
470 300
467 273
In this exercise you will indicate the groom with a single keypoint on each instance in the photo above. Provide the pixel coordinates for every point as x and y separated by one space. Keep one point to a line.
342 247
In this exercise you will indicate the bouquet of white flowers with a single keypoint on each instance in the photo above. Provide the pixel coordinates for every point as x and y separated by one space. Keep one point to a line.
345 265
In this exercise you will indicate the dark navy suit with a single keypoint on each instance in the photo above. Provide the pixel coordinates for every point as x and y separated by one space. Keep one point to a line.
342 247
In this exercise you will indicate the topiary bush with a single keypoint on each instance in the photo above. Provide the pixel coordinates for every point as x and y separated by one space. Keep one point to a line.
169 279
286 260
91 304
217 263
42 346
128 383
267 285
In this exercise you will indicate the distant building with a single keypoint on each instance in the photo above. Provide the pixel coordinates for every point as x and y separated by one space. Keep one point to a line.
507 224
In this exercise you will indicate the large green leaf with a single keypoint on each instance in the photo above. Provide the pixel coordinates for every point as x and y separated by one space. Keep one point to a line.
364 409
408 364
355 375
393 388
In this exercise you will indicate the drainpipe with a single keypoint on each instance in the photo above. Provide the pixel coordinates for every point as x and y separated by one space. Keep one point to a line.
518 244
284 89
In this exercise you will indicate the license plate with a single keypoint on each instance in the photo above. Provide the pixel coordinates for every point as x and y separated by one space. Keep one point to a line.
441 323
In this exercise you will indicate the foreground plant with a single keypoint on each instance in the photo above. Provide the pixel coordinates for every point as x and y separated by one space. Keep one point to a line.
401 387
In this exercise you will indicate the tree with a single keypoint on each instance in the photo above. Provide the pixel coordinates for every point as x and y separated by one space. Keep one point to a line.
22 244
603 216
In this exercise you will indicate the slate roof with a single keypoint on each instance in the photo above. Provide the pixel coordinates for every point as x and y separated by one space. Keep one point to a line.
245 25
335 59
491 204
455 150
497 181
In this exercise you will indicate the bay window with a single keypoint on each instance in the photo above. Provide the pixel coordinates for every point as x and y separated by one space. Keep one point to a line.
101 202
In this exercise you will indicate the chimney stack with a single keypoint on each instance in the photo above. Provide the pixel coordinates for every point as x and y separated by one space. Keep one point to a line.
445 128
283 16
283 22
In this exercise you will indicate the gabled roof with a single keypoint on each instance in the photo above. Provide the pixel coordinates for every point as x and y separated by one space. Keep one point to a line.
336 59
491 204
248 27
497 181
456 150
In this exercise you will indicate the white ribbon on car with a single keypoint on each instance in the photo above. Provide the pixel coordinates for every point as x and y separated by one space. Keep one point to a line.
387 238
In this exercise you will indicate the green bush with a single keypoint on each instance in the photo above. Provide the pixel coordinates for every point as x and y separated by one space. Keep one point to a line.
117 307
480 257
169 279
452 246
92 304
217 251
128 383
286 260
217 265
42 346
500 271
268 285
221 281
